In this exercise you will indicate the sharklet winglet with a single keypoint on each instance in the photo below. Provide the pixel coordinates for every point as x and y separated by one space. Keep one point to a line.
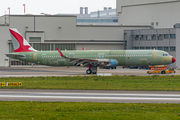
60 52
83 48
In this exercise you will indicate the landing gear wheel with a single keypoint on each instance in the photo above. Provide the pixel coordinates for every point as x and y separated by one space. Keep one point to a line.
88 71
94 72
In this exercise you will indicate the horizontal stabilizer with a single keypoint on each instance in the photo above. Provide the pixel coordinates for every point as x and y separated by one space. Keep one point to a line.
15 55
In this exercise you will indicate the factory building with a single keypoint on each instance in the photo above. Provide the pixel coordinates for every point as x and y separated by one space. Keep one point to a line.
107 16
47 32
134 24
161 15
159 39
157 13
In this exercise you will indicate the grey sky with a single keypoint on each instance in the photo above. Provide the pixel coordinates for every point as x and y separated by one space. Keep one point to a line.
53 6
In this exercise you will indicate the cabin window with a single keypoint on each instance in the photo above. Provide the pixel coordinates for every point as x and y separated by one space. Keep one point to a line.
165 54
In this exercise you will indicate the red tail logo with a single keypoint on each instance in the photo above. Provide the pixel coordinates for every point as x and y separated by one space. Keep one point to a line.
23 44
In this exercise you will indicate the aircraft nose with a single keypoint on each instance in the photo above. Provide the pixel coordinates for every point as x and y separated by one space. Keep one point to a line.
173 59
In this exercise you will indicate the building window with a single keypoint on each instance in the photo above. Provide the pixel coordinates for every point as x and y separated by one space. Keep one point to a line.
166 48
137 37
125 36
148 48
173 36
34 39
160 48
154 48
160 37
136 48
166 36
141 48
148 37
153 37
143 37
172 48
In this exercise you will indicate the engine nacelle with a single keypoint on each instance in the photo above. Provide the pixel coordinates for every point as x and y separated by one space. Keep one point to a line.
114 63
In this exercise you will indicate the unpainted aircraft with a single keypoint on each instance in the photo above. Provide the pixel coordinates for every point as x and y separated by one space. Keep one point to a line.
86 58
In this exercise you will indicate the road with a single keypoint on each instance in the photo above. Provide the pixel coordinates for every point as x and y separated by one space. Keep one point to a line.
90 96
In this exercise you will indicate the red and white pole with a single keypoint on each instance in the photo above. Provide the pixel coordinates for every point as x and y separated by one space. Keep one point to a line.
9 10
24 8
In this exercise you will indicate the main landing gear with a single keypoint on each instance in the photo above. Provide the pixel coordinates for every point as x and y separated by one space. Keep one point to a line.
92 69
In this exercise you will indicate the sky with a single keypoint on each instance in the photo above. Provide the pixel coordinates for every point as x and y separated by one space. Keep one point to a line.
37 7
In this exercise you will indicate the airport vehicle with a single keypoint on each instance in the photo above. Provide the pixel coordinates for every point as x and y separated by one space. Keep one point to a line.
86 58
158 67
169 70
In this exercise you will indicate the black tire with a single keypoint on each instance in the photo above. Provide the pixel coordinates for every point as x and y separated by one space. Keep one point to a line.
88 71
94 72
163 72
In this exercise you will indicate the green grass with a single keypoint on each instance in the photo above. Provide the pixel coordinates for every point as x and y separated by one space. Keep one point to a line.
87 111
138 83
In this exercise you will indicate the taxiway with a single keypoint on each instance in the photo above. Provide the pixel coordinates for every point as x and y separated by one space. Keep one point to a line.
67 71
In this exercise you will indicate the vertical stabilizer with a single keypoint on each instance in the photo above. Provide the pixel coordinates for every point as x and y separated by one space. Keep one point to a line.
19 42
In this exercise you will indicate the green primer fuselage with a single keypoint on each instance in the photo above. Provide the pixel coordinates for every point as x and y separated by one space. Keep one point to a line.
123 57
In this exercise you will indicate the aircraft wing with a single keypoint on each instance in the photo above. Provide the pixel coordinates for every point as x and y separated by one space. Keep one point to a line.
85 62
15 55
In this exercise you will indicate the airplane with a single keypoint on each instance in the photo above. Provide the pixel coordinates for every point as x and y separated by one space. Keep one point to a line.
86 58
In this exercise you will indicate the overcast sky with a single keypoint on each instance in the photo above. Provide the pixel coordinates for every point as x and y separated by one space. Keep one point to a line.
53 6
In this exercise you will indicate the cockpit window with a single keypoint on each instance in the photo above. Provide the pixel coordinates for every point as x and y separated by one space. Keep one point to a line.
165 54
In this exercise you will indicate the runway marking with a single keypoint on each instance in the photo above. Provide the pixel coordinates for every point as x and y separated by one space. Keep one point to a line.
113 94
73 97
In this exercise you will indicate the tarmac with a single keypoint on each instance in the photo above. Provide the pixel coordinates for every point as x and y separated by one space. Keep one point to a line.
82 95
28 71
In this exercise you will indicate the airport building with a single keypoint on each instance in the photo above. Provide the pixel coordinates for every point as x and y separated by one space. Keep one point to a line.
157 13
138 24
159 39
